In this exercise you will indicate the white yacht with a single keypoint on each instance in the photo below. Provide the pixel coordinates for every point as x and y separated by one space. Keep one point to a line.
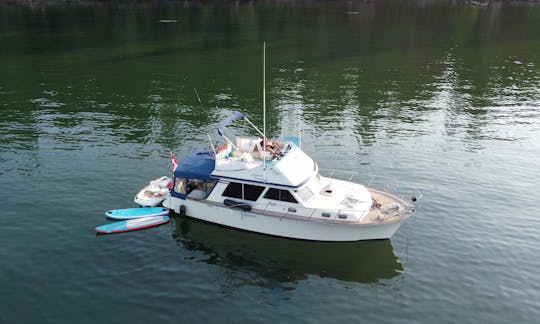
275 188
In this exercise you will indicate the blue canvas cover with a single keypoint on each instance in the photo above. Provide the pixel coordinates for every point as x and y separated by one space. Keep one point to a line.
228 120
196 166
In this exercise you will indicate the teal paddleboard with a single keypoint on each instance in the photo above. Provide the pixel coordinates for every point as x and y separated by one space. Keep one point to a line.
131 213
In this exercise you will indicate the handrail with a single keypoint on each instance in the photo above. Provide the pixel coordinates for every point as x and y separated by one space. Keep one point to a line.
402 190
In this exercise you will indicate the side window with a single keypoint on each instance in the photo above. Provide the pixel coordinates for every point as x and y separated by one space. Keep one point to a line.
287 196
180 186
233 190
243 191
278 194
272 193
252 192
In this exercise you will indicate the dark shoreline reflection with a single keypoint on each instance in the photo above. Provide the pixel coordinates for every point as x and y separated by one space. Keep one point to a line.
286 260
72 71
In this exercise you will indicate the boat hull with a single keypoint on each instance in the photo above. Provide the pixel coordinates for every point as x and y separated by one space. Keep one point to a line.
282 226
143 201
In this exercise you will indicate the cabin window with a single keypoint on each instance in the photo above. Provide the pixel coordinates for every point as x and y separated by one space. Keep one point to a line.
233 190
287 196
180 186
243 191
272 194
279 194
252 192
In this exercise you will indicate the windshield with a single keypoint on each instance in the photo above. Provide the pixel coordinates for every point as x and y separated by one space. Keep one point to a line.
305 194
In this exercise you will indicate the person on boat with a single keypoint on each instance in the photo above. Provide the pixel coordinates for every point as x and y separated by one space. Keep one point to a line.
267 146
277 145
192 185
275 148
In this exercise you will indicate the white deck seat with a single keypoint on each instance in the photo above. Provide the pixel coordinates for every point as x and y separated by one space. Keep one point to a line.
247 145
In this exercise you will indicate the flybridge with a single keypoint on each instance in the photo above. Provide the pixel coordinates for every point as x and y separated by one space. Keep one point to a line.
257 159
291 168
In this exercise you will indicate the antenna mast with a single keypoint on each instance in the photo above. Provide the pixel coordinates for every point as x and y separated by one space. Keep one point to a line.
264 106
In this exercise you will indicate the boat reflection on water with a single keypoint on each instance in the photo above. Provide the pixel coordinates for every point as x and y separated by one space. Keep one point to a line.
288 260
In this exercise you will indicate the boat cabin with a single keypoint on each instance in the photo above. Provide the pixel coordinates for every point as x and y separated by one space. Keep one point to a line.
250 180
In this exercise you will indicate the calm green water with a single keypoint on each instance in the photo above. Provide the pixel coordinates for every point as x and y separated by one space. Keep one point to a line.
445 97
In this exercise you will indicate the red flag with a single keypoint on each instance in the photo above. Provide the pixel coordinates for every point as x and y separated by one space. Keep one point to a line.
174 163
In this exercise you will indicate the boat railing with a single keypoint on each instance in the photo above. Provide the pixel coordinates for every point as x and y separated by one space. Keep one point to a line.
389 185
408 194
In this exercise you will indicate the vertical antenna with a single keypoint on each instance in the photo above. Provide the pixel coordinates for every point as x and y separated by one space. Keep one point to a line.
264 108
300 133
264 89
